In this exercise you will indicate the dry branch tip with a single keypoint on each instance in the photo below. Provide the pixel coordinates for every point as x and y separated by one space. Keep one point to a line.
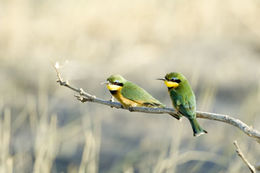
241 155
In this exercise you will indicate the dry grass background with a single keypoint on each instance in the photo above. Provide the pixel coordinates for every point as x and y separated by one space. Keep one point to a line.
44 129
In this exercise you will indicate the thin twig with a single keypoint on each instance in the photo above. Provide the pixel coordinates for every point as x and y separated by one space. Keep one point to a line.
241 155
83 96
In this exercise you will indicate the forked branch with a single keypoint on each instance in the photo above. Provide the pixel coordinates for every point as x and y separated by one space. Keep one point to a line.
241 155
83 96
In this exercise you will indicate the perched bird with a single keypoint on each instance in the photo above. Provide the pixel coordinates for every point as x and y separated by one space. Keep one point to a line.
131 95
183 99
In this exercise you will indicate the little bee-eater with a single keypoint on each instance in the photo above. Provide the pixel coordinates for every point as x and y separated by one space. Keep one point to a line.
183 99
130 94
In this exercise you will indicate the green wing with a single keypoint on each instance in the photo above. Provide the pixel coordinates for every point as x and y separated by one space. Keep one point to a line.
184 101
138 94
187 105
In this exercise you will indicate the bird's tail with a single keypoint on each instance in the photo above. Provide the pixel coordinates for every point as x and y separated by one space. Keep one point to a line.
178 117
197 129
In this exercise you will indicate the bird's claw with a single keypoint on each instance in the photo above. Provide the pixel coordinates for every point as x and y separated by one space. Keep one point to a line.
112 99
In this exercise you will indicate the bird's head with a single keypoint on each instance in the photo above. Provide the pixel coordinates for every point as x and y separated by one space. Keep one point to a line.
173 80
115 82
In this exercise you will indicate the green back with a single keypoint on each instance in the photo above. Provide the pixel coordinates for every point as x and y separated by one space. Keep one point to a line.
135 93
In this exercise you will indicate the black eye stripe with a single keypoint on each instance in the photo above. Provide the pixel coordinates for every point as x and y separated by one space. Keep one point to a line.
119 84
175 80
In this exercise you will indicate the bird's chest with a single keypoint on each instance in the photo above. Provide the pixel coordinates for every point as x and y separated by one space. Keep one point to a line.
176 99
123 100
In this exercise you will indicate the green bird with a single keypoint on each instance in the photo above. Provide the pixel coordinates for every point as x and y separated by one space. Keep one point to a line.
183 99
130 94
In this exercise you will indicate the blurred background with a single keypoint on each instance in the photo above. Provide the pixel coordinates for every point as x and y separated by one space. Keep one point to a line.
43 128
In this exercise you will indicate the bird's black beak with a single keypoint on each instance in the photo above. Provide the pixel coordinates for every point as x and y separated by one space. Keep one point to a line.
161 79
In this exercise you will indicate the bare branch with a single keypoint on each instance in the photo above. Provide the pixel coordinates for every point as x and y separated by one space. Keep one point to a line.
83 96
232 121
241 155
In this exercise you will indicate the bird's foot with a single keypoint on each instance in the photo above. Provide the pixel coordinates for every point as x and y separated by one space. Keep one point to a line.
112 99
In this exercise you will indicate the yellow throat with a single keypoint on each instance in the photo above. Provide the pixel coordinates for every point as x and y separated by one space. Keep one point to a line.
171 84
112 87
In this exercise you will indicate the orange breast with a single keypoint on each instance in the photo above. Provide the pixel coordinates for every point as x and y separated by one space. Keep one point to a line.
125 101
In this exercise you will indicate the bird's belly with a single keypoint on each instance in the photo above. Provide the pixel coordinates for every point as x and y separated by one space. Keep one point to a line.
124 101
